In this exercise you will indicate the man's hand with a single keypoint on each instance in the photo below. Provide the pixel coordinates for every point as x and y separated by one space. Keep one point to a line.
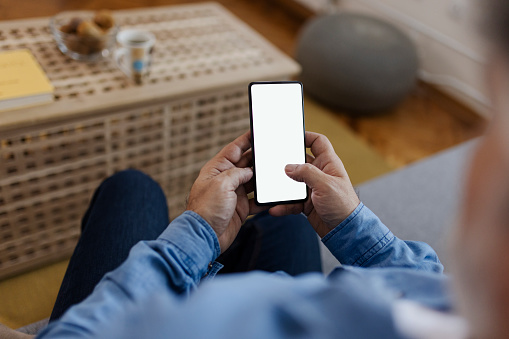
333 198
218 195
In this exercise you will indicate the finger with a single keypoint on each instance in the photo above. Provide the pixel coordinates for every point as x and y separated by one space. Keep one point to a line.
318 143
324 152
234 177
246 160
255 209
233 151
310 174
249 186
282 210
309 158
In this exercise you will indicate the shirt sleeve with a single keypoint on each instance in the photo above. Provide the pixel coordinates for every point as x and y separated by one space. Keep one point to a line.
148 296
363 240
175 263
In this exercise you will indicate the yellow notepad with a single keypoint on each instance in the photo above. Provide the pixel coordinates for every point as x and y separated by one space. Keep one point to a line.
22 81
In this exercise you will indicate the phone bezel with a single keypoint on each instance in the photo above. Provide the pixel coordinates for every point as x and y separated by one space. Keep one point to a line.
285 202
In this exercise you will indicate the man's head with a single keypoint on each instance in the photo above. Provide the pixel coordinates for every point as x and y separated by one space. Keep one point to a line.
481 244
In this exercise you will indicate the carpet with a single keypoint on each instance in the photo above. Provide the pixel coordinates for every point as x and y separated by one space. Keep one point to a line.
29 297
361 162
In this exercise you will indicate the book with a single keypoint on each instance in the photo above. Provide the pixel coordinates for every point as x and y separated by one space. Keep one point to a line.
22 81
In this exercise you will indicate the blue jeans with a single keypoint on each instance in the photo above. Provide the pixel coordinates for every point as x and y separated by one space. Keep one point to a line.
129 207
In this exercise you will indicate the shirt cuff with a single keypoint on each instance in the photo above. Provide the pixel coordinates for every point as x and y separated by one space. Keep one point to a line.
196 242
358 238
213 268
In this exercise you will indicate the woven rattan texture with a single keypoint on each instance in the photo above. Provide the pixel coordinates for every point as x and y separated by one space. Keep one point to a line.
48 171
48 175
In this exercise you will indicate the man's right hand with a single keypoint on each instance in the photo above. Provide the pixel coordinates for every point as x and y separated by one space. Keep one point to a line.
332 197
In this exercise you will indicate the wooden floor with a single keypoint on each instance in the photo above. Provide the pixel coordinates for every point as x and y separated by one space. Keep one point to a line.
425 123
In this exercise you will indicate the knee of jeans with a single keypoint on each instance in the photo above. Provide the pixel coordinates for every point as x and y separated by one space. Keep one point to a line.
132 179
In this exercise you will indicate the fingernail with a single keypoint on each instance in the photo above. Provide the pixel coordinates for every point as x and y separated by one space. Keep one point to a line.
290 168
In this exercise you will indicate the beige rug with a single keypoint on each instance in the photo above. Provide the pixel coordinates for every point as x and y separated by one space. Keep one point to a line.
361 161
29 297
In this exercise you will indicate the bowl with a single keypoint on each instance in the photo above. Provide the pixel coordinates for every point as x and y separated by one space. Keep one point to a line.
79 37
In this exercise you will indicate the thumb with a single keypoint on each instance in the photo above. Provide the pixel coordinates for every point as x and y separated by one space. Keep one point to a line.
237 176
307 173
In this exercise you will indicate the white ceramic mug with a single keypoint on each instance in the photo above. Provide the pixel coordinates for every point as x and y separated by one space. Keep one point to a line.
134 54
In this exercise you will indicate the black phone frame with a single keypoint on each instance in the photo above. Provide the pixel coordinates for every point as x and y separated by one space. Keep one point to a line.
274 203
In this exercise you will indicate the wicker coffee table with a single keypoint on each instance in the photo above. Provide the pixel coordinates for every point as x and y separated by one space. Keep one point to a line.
52 157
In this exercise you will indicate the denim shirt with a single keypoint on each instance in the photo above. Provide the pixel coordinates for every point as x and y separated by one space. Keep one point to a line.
166 289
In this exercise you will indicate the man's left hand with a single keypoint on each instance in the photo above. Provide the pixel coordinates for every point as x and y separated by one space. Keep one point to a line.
219 196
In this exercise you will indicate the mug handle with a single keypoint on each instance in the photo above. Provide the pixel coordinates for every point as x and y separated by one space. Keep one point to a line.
118 55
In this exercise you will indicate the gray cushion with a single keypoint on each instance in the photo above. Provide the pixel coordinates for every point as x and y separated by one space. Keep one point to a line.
34 328
356 62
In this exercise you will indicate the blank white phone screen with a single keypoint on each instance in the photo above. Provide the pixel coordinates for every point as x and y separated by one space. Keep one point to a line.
278 136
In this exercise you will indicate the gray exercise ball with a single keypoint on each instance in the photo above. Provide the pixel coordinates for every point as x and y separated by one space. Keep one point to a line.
356 62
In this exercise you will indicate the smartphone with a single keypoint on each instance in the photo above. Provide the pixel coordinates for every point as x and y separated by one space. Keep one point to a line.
277 139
